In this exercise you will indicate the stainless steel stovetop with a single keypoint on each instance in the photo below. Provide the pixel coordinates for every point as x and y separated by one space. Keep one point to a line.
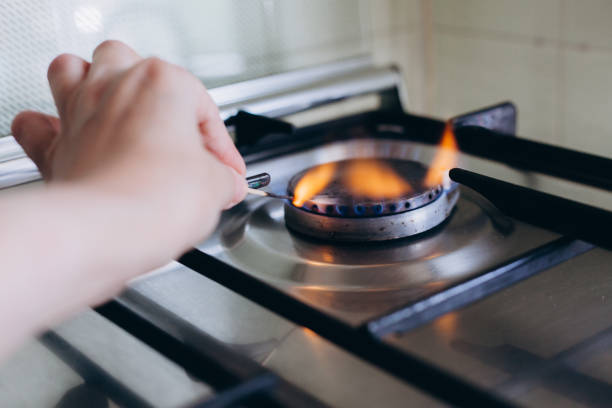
481 310
360 281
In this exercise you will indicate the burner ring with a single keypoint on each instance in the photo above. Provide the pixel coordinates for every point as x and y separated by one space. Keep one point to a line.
380 228
364 209
334 214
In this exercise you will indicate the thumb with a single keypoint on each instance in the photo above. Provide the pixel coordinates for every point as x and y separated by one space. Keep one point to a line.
240 188
35 132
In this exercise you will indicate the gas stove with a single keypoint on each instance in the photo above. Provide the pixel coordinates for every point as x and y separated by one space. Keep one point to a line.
481 287
328 259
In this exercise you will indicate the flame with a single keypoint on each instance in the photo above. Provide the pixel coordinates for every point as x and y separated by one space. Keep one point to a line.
370 178
444 159
375 179
314 181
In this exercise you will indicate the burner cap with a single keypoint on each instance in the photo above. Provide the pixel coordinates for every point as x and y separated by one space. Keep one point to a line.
345 213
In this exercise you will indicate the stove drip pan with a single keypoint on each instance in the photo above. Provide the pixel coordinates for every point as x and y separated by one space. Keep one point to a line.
336 214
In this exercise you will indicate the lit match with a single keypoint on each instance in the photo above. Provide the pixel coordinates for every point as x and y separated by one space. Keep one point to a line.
261 180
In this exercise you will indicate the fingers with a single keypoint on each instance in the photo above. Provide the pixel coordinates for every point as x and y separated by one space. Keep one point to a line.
219 143
111 57
240 188
65 73
216 138
36 132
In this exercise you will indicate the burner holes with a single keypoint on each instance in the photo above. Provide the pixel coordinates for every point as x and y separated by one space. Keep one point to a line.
342 209
392 207
359 209
378 209
407 205
315 208
329 209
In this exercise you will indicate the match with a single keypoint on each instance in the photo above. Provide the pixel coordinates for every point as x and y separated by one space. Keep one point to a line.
267 194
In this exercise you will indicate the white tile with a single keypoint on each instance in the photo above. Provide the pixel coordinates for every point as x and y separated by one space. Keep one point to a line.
587 114
405 51
321 54
588 22
389 16
472 73
520 17
302 24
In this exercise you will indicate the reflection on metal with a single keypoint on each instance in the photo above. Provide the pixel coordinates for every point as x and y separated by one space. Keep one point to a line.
112 361
307 359
201 355
541 342
530 371
92 373
478 287
539 369
446 325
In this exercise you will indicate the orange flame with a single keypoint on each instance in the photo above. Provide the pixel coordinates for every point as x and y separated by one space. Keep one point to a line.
371 178
444 159
313 182
374 179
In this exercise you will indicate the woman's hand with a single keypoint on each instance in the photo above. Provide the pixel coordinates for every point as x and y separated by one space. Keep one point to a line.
137 128
138 168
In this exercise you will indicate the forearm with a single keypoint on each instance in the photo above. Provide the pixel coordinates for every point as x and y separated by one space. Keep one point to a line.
64 248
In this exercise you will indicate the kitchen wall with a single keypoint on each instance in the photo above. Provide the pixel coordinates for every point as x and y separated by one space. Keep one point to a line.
220 41
396 35
553 58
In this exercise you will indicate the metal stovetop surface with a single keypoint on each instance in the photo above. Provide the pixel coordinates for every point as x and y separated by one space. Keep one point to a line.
546 341
360 281
334 375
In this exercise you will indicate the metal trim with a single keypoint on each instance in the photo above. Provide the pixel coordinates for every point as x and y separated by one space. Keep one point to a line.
375 80
10 149
271 84
17 171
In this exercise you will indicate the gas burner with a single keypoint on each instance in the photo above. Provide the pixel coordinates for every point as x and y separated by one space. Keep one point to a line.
339 213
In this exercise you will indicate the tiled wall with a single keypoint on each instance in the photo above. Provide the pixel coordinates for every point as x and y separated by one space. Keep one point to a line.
553 58
396 37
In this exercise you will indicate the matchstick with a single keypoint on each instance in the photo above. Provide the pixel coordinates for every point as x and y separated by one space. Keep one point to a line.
266 194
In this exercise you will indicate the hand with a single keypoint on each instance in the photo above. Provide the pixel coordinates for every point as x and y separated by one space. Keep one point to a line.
137 136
